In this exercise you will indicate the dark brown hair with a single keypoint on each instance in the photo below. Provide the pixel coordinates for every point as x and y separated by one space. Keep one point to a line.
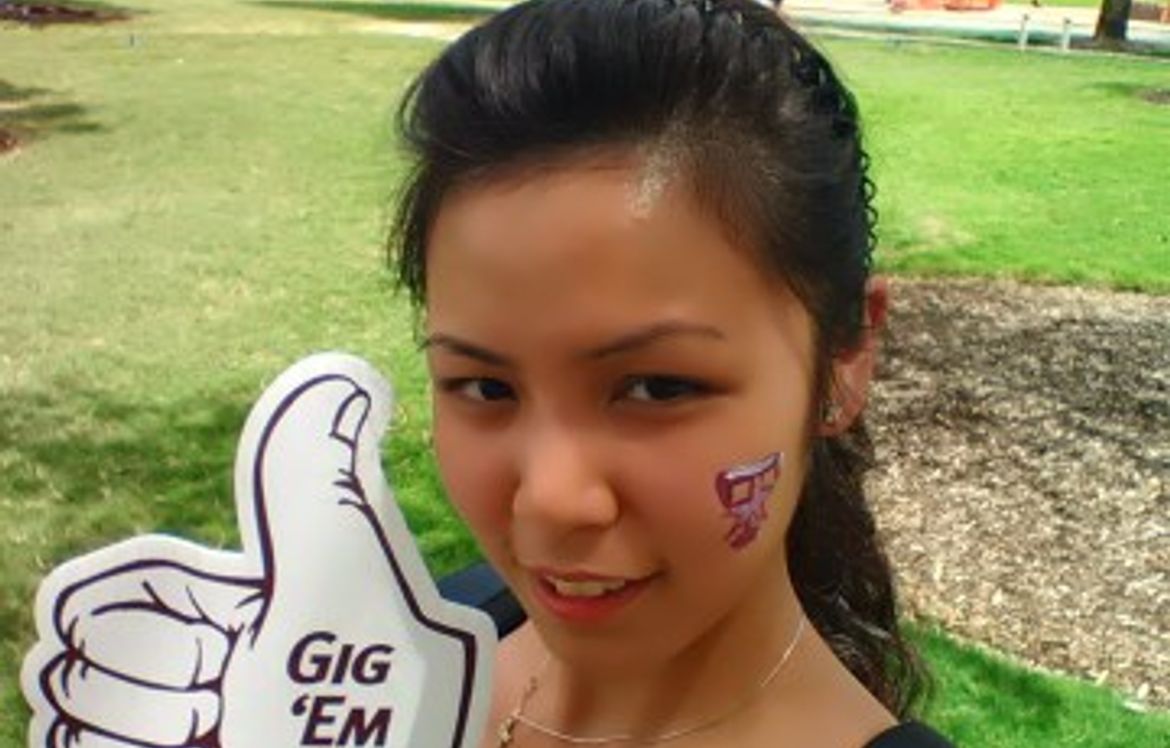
771 143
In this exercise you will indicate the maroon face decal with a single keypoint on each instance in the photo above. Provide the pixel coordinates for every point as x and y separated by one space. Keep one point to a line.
743 491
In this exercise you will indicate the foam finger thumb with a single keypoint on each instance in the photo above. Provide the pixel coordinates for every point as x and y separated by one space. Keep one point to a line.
353 645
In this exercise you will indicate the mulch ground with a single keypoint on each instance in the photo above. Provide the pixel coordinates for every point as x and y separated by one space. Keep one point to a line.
1024 440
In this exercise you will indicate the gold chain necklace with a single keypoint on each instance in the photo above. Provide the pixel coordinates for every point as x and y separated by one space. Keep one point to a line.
517 717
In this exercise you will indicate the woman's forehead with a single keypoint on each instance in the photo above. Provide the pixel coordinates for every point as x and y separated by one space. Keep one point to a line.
582 220
586 247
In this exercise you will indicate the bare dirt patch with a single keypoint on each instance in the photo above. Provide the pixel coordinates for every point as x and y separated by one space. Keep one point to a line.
44 14
1024 440
1157 96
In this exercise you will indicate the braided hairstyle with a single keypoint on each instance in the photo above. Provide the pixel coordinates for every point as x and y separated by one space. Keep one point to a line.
737 101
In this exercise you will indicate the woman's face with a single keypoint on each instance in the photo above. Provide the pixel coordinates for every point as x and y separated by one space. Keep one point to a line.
621 407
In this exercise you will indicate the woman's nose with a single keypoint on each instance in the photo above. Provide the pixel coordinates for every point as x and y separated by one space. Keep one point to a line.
562 483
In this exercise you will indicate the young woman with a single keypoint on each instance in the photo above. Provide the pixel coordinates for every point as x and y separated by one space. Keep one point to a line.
640 235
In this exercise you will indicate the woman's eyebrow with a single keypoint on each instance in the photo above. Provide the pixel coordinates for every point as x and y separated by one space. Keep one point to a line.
639 338
462 347
653 333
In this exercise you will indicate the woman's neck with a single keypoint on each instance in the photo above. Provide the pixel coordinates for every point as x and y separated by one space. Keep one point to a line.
711 682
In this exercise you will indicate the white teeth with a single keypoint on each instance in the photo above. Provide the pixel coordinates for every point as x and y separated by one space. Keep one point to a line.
585 588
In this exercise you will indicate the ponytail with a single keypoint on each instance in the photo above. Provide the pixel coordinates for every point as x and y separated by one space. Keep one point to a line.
843 578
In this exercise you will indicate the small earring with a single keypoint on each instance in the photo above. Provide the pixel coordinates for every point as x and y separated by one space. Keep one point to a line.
830 413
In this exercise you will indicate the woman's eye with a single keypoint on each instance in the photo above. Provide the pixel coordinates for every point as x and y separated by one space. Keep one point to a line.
661 389
478 388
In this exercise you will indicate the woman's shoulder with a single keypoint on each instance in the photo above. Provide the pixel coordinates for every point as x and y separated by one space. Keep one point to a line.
909 735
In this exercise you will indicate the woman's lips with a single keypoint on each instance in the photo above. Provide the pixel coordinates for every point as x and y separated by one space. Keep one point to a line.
582 597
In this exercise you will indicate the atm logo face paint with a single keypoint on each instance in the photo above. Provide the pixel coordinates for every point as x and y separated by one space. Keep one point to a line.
744 490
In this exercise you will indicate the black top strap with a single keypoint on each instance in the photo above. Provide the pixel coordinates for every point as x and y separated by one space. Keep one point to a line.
481 587
909 735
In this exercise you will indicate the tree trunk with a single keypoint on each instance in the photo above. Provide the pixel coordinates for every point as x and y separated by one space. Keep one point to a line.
1112 22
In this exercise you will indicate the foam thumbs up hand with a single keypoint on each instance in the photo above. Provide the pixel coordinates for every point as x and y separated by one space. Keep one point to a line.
326 630
352 624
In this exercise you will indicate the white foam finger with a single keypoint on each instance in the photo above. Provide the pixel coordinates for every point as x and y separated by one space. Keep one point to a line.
354 640
303 476
112 706
163 587
63 735
147 646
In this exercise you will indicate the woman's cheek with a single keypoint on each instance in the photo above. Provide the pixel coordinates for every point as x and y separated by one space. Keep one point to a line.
746 493
716 492
676 500
469 472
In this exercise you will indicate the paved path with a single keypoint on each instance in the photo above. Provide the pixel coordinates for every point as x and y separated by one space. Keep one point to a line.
874 16
1045 23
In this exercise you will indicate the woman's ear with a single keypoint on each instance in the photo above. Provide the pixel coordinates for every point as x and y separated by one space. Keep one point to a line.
852 370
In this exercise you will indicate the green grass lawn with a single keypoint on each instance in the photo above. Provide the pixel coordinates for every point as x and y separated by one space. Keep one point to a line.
203 196
1041 166
1066 3
1073 4
985 701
